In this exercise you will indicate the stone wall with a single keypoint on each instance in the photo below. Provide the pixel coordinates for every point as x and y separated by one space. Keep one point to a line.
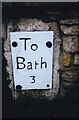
66 54
70 53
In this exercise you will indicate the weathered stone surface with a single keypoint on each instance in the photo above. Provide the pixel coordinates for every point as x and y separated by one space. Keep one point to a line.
34 25
76 59
66 59
31 25
70 44
71 75
69 21
67 84
54 27
70 30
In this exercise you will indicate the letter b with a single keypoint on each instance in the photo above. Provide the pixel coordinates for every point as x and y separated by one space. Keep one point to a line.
18 63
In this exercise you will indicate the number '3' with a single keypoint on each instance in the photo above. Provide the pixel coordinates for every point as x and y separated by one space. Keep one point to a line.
33 79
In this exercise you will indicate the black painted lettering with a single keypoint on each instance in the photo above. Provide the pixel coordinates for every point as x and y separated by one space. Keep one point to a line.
33 79
20 63
36 64
29 66
43 63
34 47
25 39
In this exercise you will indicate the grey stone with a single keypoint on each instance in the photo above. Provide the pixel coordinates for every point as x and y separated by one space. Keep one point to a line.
70 30
71 75
70 21
76 59
70 44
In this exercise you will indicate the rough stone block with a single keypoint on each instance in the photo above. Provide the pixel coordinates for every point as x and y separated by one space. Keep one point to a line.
71 75
33 25
70 30
69 21
70 44
76 59
66 59
54 27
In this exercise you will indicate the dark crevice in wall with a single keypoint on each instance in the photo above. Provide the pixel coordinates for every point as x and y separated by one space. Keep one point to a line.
6 92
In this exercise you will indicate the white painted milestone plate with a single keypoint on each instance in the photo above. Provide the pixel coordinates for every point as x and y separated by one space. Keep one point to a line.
32 59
